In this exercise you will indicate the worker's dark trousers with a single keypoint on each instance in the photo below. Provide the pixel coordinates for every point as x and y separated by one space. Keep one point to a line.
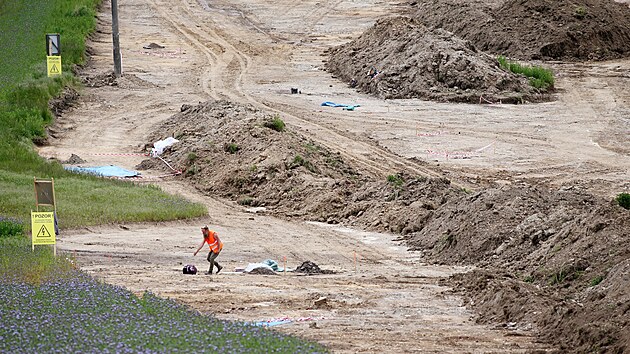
211 258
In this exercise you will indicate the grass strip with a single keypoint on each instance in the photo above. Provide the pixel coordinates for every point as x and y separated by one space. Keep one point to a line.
539 77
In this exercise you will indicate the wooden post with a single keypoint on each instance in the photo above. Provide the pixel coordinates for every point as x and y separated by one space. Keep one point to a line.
116 40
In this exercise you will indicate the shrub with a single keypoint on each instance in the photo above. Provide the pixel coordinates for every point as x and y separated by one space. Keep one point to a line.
624 200
598 279
539 77
10 227
192 170
395 180
276 124
300 161
192 157
231 148
580 12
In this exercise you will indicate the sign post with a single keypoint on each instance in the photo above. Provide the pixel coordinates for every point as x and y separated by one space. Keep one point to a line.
116 40
44 224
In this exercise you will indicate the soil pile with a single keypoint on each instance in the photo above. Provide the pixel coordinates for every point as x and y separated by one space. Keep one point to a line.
534 29
401 58
555 260
262 271
231 150
308 267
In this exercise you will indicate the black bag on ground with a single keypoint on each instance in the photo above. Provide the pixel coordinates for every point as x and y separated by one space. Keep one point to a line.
190 269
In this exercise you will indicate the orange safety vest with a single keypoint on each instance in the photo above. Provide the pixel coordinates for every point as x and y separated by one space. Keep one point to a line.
213 243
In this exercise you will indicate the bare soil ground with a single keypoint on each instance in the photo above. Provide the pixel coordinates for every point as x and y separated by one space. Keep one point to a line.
522 191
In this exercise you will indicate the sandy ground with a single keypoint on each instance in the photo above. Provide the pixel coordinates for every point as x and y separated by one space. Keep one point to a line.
254 52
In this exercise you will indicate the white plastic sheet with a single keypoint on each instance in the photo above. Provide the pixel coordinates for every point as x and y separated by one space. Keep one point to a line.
159 146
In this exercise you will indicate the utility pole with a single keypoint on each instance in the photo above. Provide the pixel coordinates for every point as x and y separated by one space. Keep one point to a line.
116 40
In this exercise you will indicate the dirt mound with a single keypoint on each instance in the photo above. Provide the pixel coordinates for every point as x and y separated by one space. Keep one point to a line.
100 80
401 58
535 29
128 81
557 260
74 160
227 149
309 267
262 271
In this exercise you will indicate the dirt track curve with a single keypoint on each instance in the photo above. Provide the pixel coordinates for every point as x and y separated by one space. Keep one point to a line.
254 52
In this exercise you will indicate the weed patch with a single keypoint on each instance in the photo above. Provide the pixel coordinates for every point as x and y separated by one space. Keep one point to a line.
300 161
395 180
580 12
231 148
595 281
10 227
275 123
539 77
623 200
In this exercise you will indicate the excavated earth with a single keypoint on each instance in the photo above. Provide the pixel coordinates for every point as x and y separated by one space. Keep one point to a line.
554 260
534 29
401 58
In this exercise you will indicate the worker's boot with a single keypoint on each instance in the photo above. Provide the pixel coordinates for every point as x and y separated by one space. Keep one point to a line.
219 268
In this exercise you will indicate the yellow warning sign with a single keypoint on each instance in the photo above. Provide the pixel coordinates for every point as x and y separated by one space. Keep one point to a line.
43 228
53 63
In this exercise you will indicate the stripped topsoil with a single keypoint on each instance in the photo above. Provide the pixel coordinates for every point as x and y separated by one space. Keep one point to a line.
553 260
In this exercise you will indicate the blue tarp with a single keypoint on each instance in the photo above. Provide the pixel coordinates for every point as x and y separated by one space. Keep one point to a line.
105 171
347 107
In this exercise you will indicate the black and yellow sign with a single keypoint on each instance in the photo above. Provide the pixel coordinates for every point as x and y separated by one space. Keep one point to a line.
53 63
43 228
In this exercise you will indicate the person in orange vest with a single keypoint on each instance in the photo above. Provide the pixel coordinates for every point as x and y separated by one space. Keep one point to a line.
212 239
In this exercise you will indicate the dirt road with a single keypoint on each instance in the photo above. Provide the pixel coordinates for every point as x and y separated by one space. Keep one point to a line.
255 52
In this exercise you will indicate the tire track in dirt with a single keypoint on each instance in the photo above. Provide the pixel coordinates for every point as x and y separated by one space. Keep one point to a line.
373 158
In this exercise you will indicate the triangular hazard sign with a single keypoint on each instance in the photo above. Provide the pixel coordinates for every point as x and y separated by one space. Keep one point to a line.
43 232
53 69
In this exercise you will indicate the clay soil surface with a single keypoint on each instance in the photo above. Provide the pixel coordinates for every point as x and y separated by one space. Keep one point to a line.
393 197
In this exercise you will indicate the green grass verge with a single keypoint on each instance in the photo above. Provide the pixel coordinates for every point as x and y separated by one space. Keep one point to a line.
539 77
24 115
83 200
